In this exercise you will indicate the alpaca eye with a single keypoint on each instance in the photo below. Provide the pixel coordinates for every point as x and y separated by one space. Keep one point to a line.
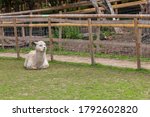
40 45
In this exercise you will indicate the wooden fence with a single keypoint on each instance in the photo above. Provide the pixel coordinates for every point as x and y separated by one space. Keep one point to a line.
136 22
85 4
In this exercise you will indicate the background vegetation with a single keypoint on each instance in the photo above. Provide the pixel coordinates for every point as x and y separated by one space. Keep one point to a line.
69 32
20 5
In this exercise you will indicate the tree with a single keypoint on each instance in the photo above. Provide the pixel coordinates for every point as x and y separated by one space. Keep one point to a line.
6 5
109 8
95 4
14 5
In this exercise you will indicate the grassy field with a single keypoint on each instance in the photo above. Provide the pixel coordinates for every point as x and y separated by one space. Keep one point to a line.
71 81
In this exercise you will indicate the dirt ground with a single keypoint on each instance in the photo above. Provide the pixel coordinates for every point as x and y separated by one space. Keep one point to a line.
76 59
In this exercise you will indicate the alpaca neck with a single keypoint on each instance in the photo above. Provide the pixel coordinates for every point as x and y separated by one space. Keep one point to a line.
40 56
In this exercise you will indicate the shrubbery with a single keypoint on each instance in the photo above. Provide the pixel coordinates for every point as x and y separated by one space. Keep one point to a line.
68 32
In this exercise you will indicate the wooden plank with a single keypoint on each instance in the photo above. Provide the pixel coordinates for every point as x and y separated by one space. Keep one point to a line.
101 23
129 4
74 5
30 32
91 42
23 32
50 39
128 16
56 20
68 6
16 38
98 32
79 25
2 35
138 43
82 23
115 0
116 10
116 6
60 34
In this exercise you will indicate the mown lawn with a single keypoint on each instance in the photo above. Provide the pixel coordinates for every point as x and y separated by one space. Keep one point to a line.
71 81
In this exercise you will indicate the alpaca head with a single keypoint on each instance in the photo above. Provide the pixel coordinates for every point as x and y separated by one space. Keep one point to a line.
40 46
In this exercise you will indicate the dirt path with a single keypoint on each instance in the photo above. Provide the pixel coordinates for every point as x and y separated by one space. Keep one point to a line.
77 59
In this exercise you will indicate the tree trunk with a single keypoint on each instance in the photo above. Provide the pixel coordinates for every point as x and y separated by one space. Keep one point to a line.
108 4
94 2
117 30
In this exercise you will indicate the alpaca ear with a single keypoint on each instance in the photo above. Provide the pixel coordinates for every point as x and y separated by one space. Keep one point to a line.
35 43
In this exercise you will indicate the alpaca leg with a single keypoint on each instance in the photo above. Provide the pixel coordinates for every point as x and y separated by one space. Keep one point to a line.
29 63
45 64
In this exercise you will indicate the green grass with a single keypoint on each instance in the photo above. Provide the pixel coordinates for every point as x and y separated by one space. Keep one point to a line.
71 81
12 50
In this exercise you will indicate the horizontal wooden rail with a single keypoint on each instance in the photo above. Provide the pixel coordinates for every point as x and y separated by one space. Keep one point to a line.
117 6
21 20
129 4
78 25
55 20
74 5
127 16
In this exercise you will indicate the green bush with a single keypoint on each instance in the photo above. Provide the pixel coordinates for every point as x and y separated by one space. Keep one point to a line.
107 31
55 32
68 32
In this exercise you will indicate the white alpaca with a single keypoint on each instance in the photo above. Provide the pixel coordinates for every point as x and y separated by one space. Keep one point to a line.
37 59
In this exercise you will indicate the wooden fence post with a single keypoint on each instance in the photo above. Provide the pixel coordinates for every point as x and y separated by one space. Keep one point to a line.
91 41
23 33
50 39
2 35
16 38
30 32
138 42
98 31
60 35
116 10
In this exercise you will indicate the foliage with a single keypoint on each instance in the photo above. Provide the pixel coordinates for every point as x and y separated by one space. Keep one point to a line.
107 31
68 32
72 32
14 5
9 5
59 2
